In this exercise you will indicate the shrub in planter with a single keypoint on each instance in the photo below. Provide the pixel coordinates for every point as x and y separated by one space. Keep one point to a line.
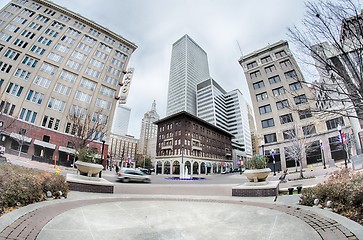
344 188
55 183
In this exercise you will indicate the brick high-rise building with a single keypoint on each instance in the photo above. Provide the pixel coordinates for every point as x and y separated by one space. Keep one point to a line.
55 63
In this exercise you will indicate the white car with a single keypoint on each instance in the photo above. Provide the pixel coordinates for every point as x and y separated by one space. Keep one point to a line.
132 175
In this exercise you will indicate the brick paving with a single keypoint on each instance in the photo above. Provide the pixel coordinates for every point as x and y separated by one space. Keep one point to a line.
29 225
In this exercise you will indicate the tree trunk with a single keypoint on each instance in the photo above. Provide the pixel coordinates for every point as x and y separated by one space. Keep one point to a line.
301 169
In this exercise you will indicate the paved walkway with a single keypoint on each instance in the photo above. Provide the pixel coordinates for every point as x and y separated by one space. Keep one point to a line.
135 216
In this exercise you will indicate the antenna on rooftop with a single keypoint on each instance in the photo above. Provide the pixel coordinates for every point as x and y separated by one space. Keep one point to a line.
239 48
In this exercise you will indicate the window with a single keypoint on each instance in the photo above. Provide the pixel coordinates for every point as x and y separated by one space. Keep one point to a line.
48 123
35 6
290 74
68 40
109 40
287 118
29 61
94 32
289 134
107 91
62 89
278 91
333 123
79 25
285 64
5 37
79 55
93 73
295 86
68 76
101 55
252 65
88 84
300 99
7 108
28 115
97 63
48 68
280 54
88 39
121 55
84 47
266 59
20 43
49 12
105 47
258 85
124 48
282 104
12 54
12 28
55 57
57 25
270 138
265 109
64 18
41 81
84 97
4 67
27 13
73 32
61 48
268 123
78 111
28 34
23 74
56 104
74 65
255 74
103 104
117 63
37 50
19 20
274 79
35 26
51 32
99 118
114 71
110 80
14 89
305 114
261 96
44 41
35 97
42 19
270 69
308 130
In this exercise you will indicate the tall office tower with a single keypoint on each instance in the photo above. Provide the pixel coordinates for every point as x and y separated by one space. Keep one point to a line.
121 120
282 105
188 67
54 64
148 132
229 111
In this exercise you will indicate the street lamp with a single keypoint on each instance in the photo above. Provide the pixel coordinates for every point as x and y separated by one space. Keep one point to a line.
341 138
273 160
322 152
262 143
181 169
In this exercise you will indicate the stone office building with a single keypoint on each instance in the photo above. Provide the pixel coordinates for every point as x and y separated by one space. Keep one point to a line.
188 142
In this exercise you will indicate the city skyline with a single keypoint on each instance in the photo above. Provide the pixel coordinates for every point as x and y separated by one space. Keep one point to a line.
157 30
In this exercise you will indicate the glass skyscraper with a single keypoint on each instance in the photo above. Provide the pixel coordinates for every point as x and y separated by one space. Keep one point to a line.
188 67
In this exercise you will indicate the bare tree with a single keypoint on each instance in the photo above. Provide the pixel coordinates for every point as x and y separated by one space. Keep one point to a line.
331 33
85 129
300 145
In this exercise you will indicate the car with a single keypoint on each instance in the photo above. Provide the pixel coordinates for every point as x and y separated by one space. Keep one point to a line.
3 159
132 175
146 171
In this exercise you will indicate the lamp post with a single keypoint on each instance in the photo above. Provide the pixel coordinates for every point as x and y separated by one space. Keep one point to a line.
341 138
273 160
322 152
102 150
262 143
181 169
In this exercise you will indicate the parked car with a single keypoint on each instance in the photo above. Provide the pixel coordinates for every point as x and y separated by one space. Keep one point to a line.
132 175
3 159
146 171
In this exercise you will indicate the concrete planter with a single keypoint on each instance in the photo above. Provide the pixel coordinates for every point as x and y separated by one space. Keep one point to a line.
88 169
257 175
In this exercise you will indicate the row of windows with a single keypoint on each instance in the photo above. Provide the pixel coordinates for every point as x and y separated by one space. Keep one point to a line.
266 59
286 118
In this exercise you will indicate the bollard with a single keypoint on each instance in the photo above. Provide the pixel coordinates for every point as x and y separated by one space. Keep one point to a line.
311 167
291 191
299 190
57 171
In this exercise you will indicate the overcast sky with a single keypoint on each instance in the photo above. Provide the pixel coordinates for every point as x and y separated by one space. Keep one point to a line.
216 25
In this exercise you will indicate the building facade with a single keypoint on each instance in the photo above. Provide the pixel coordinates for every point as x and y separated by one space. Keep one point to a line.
229 111
281 102
188 67
123 150
188 142
149 132
121 120
55 63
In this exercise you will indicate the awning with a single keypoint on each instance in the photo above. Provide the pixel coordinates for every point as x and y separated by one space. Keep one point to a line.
67 150
44 144
19 137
